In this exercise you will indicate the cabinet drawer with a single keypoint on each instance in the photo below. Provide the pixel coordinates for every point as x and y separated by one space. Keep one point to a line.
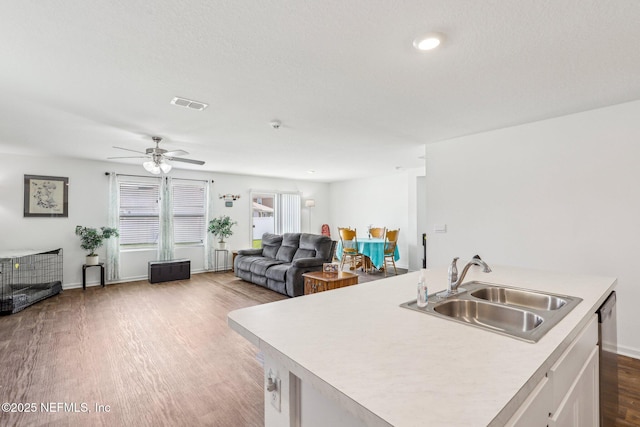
567 368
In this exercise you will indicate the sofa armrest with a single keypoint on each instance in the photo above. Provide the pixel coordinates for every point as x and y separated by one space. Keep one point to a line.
307 262
250 252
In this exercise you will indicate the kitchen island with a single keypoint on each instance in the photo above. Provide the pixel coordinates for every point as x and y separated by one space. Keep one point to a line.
352 356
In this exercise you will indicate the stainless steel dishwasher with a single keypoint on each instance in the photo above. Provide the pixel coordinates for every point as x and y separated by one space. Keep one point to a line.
608 342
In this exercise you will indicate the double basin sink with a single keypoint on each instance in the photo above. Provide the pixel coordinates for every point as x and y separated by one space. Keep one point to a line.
520 313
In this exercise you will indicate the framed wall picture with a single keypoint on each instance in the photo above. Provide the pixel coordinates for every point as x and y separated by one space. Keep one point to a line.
46 196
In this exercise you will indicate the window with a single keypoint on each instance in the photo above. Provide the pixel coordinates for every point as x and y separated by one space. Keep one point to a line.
139 216
189 210
140 212
274 212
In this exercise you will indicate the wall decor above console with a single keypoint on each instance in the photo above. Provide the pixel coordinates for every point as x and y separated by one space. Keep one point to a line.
229 199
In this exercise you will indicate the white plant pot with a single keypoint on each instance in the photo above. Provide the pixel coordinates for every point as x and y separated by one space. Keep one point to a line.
223 245
92 260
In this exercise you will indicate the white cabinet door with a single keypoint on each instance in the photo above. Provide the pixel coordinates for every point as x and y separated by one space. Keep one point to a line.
569 393
534 412
579 408
564 372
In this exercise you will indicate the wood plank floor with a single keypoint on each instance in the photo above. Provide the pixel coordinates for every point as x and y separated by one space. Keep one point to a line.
628 392
158 355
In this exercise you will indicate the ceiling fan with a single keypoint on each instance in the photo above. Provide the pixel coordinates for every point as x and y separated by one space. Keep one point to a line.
158 157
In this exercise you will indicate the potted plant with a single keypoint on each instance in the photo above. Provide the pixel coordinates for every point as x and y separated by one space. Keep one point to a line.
92 238
221 228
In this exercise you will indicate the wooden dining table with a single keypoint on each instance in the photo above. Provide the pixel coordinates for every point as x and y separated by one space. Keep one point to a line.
372 248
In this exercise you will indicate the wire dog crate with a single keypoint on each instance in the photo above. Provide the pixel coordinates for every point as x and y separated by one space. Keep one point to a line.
28 278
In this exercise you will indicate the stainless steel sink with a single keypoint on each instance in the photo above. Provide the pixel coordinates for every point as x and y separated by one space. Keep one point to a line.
520 297
519 313
495 316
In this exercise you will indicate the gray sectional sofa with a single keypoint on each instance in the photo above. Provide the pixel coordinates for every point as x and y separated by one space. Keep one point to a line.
282 260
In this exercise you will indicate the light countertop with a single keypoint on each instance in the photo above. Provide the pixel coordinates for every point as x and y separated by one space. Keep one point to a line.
391 366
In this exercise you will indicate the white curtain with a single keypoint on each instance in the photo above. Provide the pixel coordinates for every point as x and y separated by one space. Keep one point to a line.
113 244
208 240
165 240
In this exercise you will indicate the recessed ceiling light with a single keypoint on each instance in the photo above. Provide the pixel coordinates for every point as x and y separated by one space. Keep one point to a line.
311 171
428 41
188 103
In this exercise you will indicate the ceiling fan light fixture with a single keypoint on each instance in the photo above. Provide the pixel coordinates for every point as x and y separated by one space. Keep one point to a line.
158 157
151 166
165 167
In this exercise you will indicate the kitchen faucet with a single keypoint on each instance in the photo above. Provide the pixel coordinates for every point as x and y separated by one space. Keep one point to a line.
454 282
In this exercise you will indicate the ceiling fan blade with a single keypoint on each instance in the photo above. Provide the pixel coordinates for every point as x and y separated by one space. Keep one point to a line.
175 153
129 157
178 159
128 149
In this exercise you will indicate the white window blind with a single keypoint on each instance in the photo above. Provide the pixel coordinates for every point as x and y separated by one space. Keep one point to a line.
139 222
289 213
189 209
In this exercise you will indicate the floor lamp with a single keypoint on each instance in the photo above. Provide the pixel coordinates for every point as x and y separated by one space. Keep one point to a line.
309 203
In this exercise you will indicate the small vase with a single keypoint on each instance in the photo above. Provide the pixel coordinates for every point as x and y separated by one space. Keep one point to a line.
92 260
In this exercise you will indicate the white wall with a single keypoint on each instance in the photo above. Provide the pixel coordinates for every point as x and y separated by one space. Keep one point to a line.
387 200
88 201
558 194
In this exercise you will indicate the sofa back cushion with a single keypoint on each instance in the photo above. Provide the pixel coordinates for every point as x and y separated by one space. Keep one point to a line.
314 246
270 245
290 243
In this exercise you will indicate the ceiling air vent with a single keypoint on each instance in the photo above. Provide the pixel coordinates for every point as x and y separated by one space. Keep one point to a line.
188 103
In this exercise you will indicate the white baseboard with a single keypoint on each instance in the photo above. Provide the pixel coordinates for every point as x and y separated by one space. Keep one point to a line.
123 280
629 352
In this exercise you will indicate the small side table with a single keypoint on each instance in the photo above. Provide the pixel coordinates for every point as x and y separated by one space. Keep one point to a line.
84 273
319 281
234 254
225 254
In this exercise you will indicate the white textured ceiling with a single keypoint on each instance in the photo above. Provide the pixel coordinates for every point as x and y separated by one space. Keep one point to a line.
354 97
